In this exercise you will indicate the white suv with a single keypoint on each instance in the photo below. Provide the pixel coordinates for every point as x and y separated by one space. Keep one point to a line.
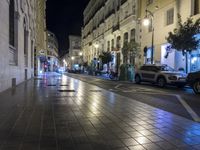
160 74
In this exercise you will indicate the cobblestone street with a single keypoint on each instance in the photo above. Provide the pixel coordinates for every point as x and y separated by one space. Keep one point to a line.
54 112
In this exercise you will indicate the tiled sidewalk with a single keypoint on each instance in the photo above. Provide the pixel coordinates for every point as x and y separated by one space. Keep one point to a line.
36 116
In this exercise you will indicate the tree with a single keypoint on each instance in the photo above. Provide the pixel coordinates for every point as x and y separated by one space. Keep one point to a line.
106 57
134 49
183 38
130 48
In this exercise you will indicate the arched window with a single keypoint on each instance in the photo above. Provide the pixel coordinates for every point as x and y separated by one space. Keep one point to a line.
12 23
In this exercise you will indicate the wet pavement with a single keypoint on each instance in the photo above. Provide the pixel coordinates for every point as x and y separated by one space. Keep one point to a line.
179 101
54 112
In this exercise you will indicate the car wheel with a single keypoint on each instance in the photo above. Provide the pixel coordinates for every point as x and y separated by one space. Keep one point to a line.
161 82
137 79
196 87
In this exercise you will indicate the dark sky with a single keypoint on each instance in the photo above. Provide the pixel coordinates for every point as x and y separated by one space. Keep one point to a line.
65 17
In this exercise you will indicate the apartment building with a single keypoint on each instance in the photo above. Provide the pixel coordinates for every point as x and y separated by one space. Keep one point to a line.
165 19
52 51
108 24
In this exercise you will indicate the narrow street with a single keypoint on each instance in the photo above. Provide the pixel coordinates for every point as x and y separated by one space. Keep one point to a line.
58 112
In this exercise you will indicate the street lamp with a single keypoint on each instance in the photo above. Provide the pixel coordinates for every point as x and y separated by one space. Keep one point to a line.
148 22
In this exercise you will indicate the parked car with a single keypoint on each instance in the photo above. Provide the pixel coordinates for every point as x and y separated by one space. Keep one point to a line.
193 79
160 74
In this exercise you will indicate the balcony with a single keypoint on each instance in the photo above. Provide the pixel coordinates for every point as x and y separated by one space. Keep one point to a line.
115 28
123 1
109 13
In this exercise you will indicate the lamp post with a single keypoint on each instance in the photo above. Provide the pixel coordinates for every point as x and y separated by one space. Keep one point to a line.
147 22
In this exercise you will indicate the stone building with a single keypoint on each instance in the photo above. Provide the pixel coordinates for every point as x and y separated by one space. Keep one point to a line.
52 51
17 41
40 58
108 24
165 19
75 54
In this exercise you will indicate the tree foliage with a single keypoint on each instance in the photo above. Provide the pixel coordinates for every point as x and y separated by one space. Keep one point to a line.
131 46
106 57
183 38
134 48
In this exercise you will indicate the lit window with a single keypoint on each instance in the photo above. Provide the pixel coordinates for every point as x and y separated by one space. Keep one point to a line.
170 16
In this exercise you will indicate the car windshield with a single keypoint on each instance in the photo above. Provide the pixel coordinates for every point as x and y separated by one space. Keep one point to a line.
165 68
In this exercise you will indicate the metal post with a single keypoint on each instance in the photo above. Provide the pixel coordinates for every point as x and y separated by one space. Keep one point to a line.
152 45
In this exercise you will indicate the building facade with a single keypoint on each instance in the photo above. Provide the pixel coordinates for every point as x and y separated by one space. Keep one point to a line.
40 57
165 19
74 57
108 24
17 41
52 51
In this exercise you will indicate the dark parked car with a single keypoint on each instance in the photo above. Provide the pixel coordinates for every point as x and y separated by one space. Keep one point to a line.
193 80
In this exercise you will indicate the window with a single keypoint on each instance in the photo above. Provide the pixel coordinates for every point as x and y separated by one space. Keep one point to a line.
118 45
150 27
108 46
12 23
132 38
112 44
25 46
196 7
134 10
170 16
149 2
126 37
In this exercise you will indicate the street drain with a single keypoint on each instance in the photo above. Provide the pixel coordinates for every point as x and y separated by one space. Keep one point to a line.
95 90
66 90
51 85
38 79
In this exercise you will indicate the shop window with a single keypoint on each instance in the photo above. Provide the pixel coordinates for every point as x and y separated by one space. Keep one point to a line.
170 16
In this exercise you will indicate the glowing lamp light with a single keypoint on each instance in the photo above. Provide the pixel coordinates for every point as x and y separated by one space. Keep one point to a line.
72 57
146 22
96 45
80 53
194 59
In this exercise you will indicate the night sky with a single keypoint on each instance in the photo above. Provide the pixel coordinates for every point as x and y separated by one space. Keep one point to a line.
65 17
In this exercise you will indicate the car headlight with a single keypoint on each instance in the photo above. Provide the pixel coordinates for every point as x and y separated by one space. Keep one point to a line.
172 78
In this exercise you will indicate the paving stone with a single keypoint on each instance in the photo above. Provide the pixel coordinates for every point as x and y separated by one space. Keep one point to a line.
36 116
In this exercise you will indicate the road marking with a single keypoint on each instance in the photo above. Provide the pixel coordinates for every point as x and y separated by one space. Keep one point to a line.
117 86
188 108
138 90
